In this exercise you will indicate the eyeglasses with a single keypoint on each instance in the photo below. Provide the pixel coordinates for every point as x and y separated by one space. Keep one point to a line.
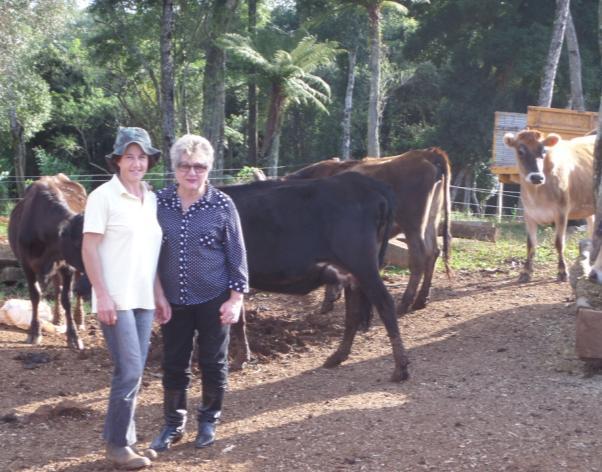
198 168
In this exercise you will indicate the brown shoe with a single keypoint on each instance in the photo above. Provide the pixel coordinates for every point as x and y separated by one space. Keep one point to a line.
123 457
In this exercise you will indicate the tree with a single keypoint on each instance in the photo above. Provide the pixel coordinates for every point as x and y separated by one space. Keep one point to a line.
549 73
167 81
572 46
214 80
289 79
598 151
26 27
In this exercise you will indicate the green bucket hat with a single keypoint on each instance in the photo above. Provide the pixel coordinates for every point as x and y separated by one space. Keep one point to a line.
127 136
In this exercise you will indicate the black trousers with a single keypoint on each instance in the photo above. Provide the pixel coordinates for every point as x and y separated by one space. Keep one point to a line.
212 345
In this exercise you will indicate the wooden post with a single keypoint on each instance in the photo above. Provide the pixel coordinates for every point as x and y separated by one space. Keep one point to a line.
500 201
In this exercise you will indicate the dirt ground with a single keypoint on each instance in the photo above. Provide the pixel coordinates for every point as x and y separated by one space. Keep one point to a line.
495 386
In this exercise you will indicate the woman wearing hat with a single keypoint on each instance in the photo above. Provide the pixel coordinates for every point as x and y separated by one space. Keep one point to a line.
204 272
121 245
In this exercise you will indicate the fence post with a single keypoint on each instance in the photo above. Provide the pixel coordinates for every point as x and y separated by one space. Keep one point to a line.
500 201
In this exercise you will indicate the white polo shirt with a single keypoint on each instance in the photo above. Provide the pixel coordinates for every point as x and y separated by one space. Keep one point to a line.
129 250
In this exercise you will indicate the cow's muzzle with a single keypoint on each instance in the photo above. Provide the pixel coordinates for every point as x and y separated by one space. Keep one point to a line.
535 178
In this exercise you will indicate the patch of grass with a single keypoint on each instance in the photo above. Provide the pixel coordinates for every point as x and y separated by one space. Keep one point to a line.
3 227
510 251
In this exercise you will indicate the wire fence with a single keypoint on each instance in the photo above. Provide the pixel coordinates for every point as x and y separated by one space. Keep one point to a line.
475 202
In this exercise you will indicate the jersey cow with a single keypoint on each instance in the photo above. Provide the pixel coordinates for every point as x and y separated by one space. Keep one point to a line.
420 181
556 186
301 235
45 235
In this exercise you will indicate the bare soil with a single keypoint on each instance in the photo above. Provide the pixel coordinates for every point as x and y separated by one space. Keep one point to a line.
495 386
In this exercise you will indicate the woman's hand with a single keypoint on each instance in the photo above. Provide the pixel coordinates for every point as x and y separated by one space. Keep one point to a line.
231 308
162 309
105 306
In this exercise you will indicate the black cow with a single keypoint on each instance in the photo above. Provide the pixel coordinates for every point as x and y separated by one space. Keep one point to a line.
303 234
42 236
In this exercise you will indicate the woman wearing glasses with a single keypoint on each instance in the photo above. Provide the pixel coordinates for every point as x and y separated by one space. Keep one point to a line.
204 273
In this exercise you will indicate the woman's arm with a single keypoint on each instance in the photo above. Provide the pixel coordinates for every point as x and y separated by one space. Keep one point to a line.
162 306
105 305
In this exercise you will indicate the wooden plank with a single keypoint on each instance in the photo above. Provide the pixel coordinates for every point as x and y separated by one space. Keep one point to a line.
567 123
588 333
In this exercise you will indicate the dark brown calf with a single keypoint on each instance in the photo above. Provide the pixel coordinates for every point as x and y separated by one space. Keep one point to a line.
420 180
39 239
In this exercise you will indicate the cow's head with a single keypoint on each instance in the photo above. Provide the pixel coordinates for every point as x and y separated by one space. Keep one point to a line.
530 147
595 273
70 240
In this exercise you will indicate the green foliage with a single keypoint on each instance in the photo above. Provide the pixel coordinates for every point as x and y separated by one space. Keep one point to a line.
51 165
246 174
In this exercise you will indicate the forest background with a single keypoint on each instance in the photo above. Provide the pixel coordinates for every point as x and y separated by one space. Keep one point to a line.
279 84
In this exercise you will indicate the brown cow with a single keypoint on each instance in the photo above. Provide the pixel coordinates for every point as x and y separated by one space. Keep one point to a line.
40 234
420 180
557 178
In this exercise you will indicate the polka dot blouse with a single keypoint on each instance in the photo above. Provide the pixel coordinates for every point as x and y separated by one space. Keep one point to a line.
203 251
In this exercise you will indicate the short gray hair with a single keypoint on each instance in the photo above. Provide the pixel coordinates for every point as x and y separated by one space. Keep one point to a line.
193 146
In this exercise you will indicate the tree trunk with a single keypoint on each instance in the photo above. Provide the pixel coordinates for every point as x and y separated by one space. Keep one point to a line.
466 201
252 93
597 237
572 46
167 82
214 87
346 123
273 154
271 135
373 145
19 151
549 73
458 179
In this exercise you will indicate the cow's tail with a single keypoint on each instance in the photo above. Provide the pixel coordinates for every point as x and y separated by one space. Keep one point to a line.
445 169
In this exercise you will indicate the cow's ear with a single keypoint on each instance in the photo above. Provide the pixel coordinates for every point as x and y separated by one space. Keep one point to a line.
509 140
551 140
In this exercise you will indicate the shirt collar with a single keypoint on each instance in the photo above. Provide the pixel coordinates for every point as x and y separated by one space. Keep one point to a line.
119 187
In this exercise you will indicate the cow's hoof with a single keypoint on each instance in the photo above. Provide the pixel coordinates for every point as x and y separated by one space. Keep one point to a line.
402 310
237 364
561 277
400 375
332 361
35 339
524 278
326 307
75 343
419 305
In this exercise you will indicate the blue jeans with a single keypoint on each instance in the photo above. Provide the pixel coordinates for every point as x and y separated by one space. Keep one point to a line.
128 342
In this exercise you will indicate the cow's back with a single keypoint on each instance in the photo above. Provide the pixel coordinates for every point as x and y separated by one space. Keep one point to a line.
415 178
568 168
297 224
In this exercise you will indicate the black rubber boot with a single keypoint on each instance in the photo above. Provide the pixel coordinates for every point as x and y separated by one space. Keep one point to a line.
209 413
174 410
206 435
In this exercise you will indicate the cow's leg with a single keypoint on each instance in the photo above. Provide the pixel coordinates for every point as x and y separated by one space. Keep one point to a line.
78 312
560 225
356 306
377 293
334 288
241 352
35 329
416 250
56 306
531 228
73 339
431 254
332 292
